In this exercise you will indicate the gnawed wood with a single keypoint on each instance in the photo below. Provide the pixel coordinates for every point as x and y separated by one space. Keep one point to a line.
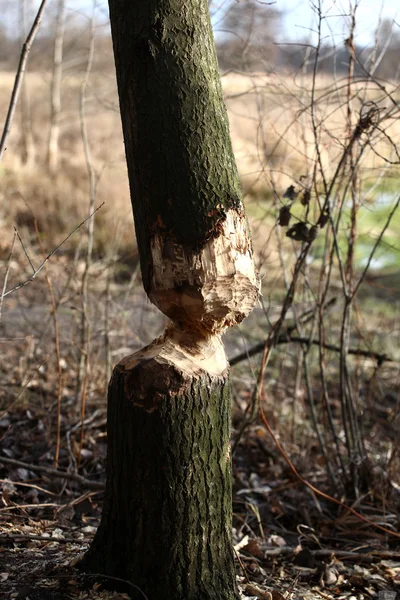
208 288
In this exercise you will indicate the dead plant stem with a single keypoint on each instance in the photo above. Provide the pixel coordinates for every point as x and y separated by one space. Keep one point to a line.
26 48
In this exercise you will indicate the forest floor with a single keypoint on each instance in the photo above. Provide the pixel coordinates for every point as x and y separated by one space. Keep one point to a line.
289 541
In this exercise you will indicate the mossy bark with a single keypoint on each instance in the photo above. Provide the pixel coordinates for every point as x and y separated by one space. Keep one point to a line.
181 167
166 523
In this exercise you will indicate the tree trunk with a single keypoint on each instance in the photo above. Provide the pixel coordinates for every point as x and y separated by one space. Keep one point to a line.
166 524
54 131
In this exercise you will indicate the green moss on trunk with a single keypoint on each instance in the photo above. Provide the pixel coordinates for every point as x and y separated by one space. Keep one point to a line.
167 514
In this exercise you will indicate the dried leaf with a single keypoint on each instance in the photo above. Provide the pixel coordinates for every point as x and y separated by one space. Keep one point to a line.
291 193
254 549
312 234
306 197
330 575
254 590
298 232
284 216
323 219
277 595
276 540
243 542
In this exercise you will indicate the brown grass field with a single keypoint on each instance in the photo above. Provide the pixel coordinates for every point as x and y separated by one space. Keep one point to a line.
271 128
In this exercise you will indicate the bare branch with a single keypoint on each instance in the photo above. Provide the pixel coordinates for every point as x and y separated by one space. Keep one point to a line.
26 48
40 267
93 485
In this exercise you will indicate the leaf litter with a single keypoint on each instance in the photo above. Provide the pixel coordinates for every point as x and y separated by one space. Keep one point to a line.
288 543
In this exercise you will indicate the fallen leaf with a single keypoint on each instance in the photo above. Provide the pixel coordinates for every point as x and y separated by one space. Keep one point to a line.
254 590
243 542
276 540
254 549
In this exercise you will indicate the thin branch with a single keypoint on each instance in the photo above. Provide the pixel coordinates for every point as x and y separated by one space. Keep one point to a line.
93 485
26 48
287 338
36 273
3 291
84 363
19 537
57 345
317 491
24 249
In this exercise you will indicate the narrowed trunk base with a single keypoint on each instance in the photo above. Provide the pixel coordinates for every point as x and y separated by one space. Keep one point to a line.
166 524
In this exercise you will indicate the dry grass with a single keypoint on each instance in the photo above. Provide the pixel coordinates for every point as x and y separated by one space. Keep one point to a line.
272 132
272 126
60 201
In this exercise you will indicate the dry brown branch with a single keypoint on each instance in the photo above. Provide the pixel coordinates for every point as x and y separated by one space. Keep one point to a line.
287 338
28 485
19 537
57 349
53 139
93 485
370 557
318 491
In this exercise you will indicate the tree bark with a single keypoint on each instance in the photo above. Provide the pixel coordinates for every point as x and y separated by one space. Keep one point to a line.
56 80
166 524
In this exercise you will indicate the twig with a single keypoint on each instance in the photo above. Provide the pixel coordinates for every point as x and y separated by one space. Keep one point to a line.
94 485
129 583
315 489
286 338
40 538
369 557
26 48
376 245
24 249
31 505
3 291
56 80
28 485
40 267
84 363
241 564
57 347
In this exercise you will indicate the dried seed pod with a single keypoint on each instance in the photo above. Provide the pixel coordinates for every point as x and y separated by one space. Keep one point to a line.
284 215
